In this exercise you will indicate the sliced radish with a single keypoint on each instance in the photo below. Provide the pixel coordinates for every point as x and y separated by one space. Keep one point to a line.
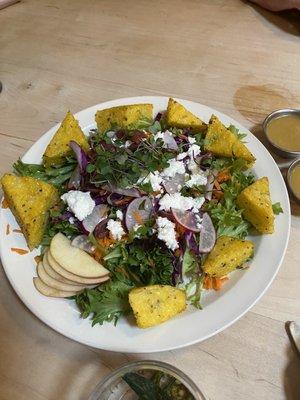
188 219
97 215
138 211
207 235
174 184
83 243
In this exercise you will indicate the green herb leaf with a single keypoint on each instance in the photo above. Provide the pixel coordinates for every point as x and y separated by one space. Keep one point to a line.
277 209
56 175
189 262
107 302
235 130
145 388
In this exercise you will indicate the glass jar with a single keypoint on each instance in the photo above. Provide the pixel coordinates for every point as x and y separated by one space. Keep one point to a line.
113 387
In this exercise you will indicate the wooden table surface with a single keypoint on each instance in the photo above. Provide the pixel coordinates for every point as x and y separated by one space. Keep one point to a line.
70 54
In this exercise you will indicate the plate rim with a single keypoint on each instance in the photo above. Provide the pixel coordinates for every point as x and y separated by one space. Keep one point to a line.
251 303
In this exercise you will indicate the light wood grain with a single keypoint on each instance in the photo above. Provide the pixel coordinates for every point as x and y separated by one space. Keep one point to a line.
69 54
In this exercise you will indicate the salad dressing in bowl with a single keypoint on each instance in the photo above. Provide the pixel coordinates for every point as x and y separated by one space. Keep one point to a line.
285 132
282 129
293 178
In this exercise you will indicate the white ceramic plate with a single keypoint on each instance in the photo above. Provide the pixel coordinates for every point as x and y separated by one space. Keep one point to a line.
220 309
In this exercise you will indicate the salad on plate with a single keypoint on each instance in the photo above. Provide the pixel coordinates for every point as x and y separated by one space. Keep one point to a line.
142 216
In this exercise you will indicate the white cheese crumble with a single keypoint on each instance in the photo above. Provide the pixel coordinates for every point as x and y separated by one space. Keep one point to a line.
155 181
192 140
198 179
175 167
80 203
179 202
192 152
116 229
166 232
119 214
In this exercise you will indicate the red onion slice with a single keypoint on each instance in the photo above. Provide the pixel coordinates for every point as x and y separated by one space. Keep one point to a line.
80 155
188 219
98 214
143 209
207 235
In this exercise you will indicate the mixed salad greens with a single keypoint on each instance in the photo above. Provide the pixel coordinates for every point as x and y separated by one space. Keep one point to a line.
160 201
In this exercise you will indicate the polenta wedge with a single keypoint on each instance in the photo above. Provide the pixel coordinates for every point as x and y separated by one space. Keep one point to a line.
29 200
179 117
227 255
123 116
256 203
155 304
59 148
222 142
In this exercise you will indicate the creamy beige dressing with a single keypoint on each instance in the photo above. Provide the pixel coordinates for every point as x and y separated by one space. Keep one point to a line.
295 180
284 132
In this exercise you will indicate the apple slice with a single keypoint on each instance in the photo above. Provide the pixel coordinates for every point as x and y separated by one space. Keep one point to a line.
49 291
54 283
50 271
75 260
68 275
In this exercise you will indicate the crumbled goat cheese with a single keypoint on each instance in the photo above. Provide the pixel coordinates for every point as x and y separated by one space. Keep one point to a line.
197 179
127 143
155 180
166 233
191 140
181 156
179 202
71 220
116 229
119 214
175 167
80 203
192 152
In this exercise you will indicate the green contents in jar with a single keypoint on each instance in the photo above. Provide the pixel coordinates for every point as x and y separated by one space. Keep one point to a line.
158 386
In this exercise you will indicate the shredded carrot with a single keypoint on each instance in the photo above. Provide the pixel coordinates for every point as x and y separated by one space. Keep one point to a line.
7 229
19 251
207 283
37 259
5 204
180 230
137 216
217 185
223 176
214 283
106 241
218 194
98 255
17 231
125 200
